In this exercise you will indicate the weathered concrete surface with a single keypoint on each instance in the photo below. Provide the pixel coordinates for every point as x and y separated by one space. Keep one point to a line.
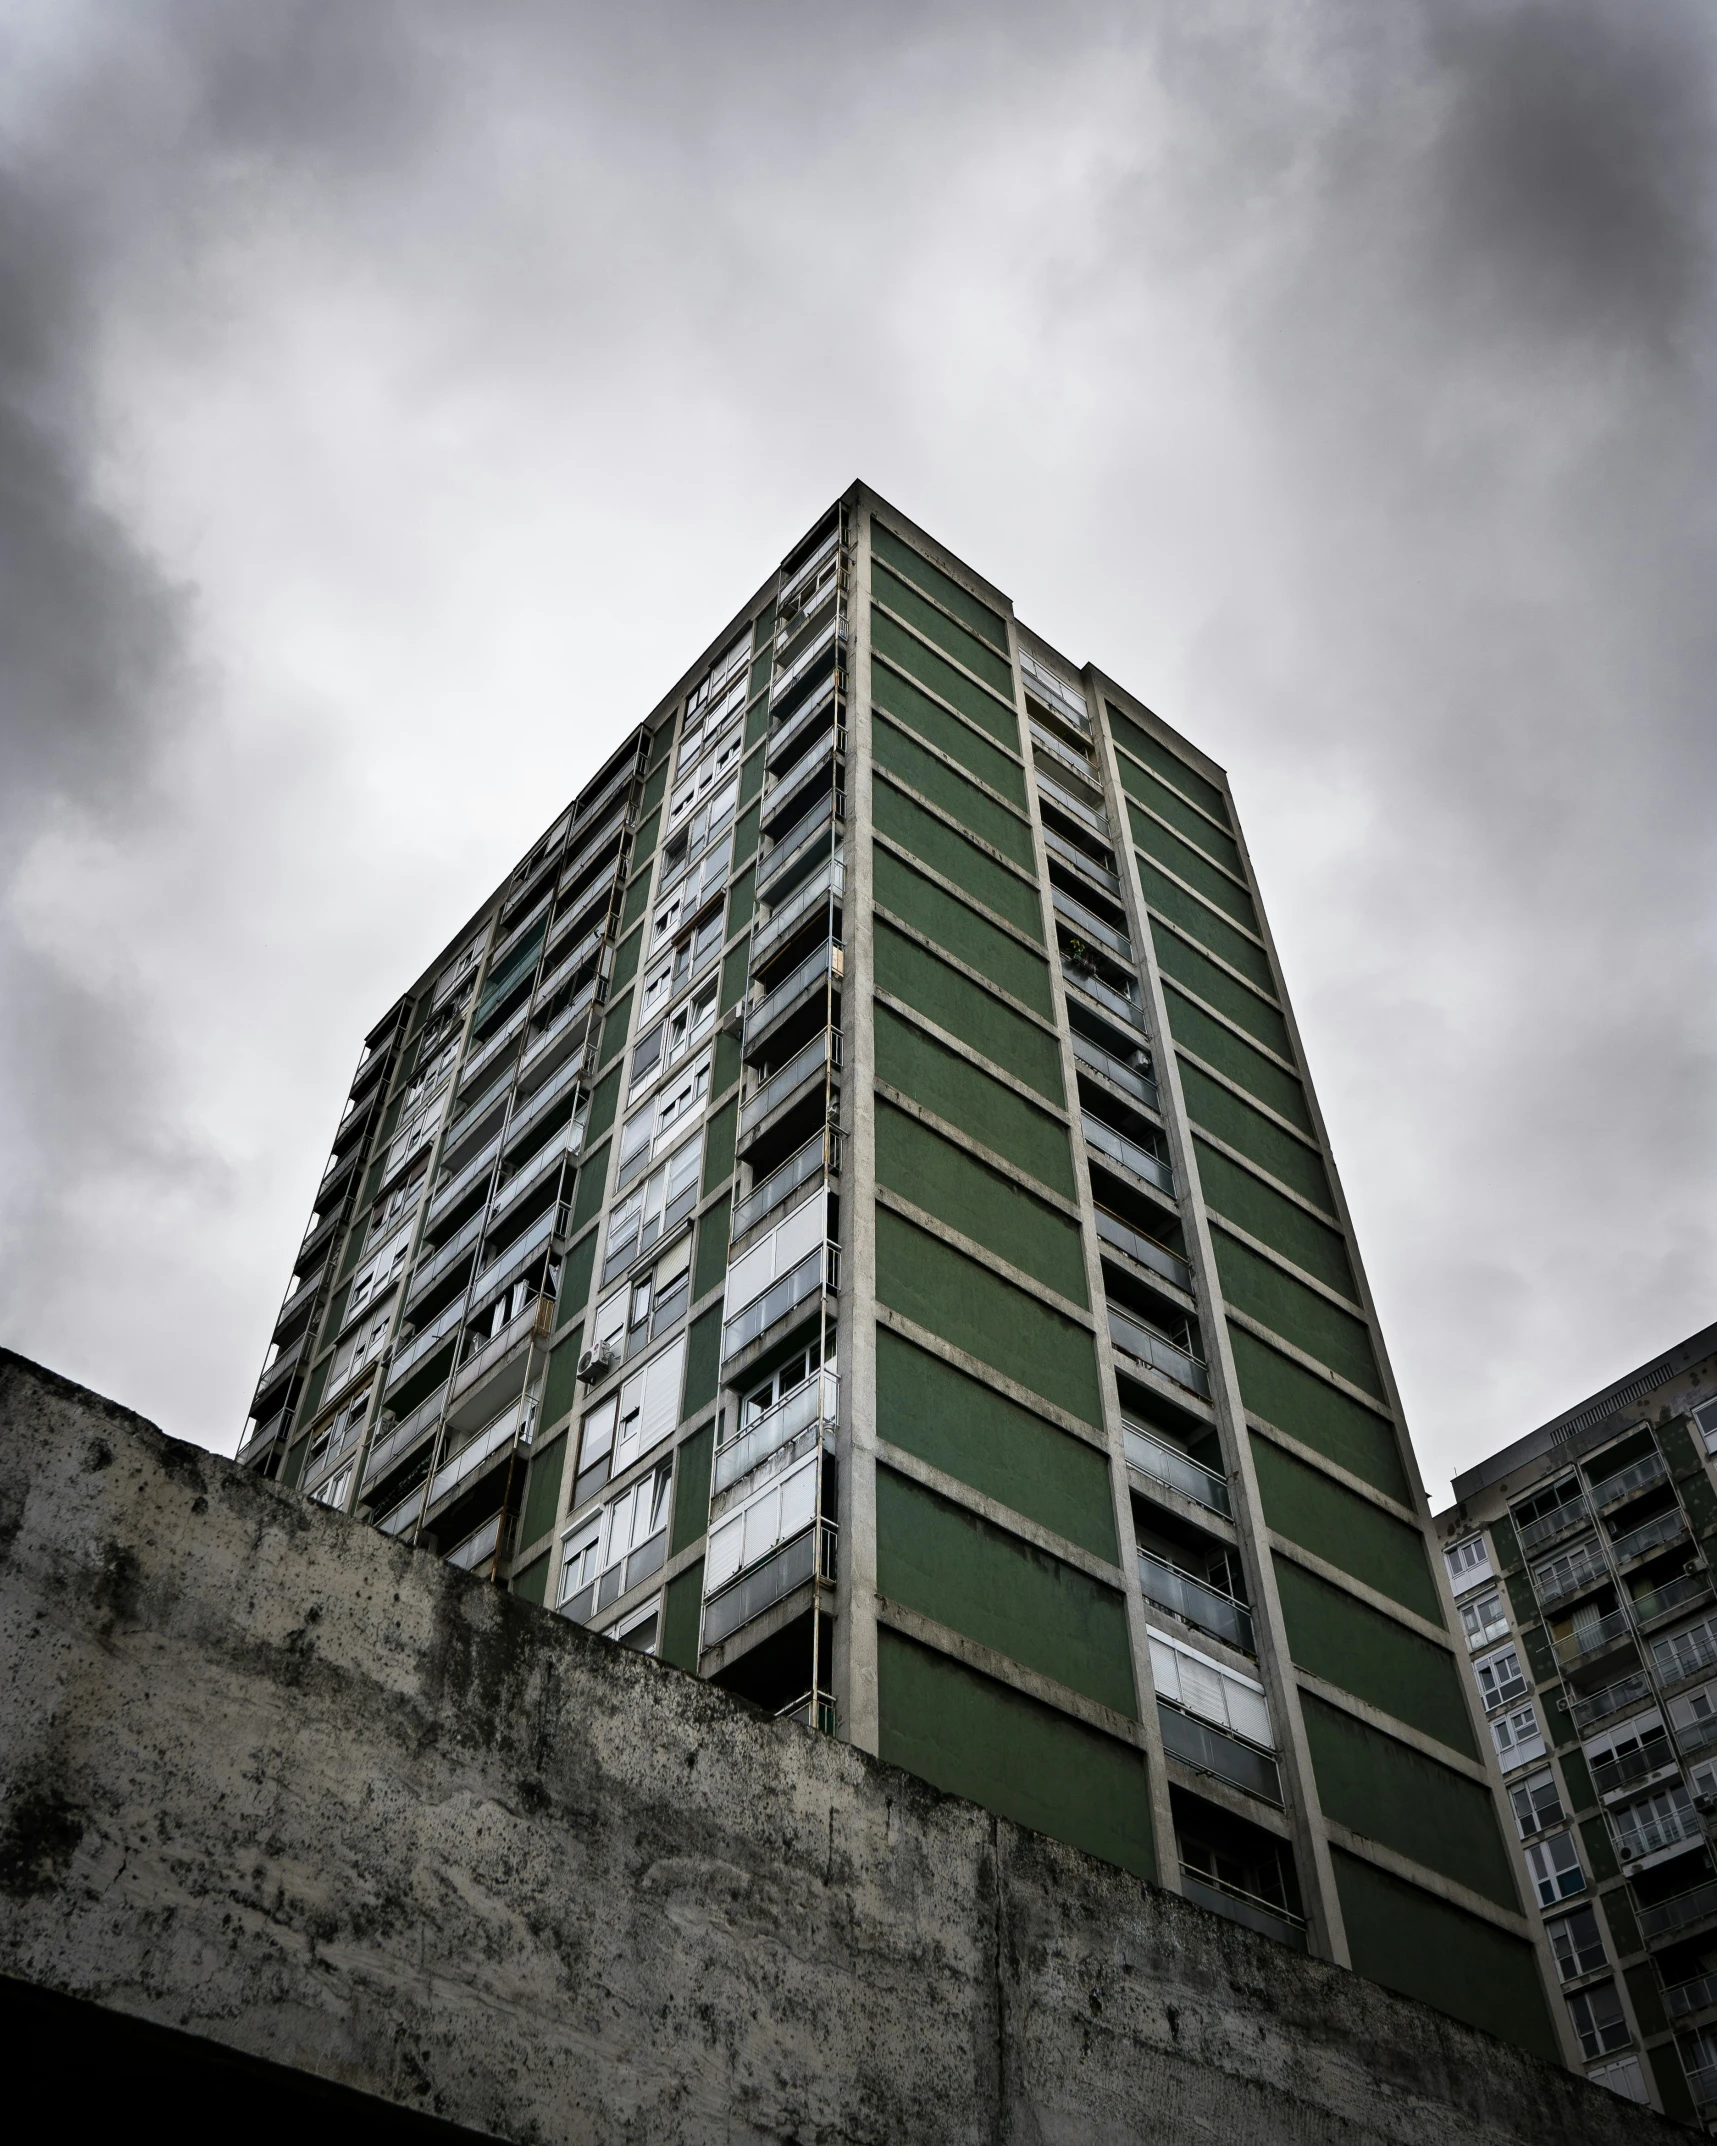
273 1779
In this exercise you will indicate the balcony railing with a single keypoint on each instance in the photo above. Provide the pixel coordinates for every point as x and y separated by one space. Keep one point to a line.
1583 1567
1196 1602
551 1091
1610 1774
814 1402
1681 1909
816 767
466 1462
1128 1153
1702 2085
488 1355
421 1344
1144 1249
1162 1355
1530 1533
786 848
1164 1464
824 961
1697 1995
512 1189
462 1180
1089 925
819 1270
1672 1596
1069 853
276 1374
788 1078
1122 1004
799 725
828 884
779 1187
1132 1079
1076 763
1630 1481
523 1249
1248 1909
1656 1534
403 1436
1593 1638
808 1555
495 1049
1613 1699
469 1554
1208 1750
1658 1829
439 1261
1064 800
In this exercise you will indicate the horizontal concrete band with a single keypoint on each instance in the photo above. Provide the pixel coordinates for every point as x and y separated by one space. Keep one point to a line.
274 1780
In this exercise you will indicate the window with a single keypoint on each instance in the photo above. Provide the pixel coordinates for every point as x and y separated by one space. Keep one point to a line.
642 1631
578 1558
1468 1563
1483 1617
698 832
359 1348
387 1212
650 1131
1517 1737
1685 1653
664 1199
696 949
430 1070
629 1422
668 1042
1501 1678
1577 1943
711 764
1555 1868
1546 1510
786 1380
1623 2077
1599 2020
1705 1421
784 1508
619 1549
1211 1690
377 1271
1699 2061
1691 1710
1536 1803
1656 1821
333 1491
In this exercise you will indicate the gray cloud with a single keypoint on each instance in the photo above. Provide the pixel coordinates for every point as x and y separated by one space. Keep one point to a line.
391 399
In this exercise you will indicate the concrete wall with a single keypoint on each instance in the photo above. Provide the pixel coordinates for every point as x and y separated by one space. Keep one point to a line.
271 1779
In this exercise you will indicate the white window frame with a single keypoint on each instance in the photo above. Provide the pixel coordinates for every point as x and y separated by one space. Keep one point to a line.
1550 1863
1517 1737
1481 1635
1497 1689
1468 1563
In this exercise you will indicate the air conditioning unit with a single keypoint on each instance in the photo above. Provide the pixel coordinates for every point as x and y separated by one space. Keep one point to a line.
594 1362
1706 1800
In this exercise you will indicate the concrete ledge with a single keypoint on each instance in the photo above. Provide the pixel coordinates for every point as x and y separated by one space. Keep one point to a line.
273 1781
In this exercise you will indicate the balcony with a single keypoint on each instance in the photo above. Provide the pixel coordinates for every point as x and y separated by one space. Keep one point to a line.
1532 1533
276 1374
1702 2085
471 1458
552 1091
432 1270
1613 1699
1148 1456
820 648
1069 853
1123 1005
298 1304
771 1011
1064 800
784 1084
1698 1995
495 1049
547 1159
1077 764
808 1556
403 1436
1240 1906
1594 1639
1657 1534
1612 1774
1680 1911
1128 1153
1207 1750
513 1258
1089 925
1145 1250
412 1352
819 1270
479 1547
461 1182
828 884
1145 1347
1131 1080
1583 1567
1629 1482
794 735
1671 1598
778 1188
813 1404
1196 1602
795 847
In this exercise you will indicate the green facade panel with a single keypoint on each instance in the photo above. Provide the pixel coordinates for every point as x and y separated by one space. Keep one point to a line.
1220 1111
1235 1059
703 1362
1134 738
1427 1948
895 645
1377 1786
1262 1212
899 754
965 1096
1295 1400
1322 1516
682 1612
946 1181
970 1431
974 1737
560 1388
952 595
531 1585
1192 865
1200 975
1257 1286
1188 823
542 1490
962 932
974 871
1170 899
950 1565
911 973
969 650
718 1145
937 1287
1349 1644
711 1262
626 959
895 695
691 1488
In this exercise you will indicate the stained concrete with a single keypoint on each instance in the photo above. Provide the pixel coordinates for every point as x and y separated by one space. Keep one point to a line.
275 1781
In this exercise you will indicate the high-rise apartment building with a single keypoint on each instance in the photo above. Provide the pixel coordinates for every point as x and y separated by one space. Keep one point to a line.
1580 1558
850 1214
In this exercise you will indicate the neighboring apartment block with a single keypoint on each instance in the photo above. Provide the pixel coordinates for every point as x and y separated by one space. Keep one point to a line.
850 1214
1581 1563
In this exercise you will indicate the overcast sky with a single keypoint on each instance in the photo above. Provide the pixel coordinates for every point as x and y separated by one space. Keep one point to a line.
394 398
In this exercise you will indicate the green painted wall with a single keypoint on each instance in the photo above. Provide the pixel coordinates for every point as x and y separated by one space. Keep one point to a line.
969 1430
1262 1211
896 645
603 1099
974 1101
1220 1111
542 1489
592 1183
1177 958
741 902
952 595
979 1202
1138 741
1424 1947
718 1146
1323 1517
938 1287
894 694
575 1277
656 788
911 973
899 754
1170 899
1348 1643
971 938
712 1247
638 893
560 1388
703 1362
532 1583
1294 1400
1192 865
1168 805
691 1489
948 1564
1235 1058
734 975
973 1737
745 832
751 777
971 869
626 959
1254 1284
681 1611
967 649
614 1028
1391 1793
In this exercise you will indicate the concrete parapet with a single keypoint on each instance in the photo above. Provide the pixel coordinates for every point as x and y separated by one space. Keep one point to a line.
280 1784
